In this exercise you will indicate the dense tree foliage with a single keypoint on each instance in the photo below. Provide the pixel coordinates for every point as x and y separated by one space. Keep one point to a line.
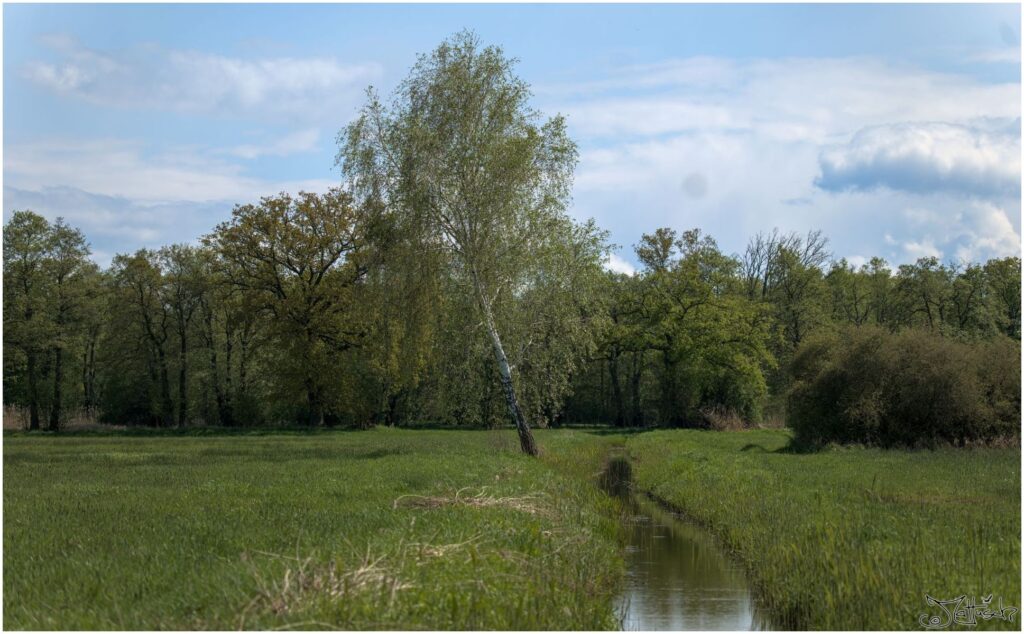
868 385
444 283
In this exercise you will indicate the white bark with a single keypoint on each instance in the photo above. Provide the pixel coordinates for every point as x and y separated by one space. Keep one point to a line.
526 440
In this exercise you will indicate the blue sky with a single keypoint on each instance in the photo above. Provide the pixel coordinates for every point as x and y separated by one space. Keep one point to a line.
893 128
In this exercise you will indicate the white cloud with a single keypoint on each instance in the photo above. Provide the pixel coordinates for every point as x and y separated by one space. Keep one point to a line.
968 231
644 116
294 143
922 249
752 134
194 82
857 261
616 264
115 167
814 99
987 232
115 224
1005 55
924 157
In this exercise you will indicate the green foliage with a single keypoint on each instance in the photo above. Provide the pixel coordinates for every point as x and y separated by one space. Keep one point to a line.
299 261
867 385
686 316
1003 277
386 529
50 288
849 538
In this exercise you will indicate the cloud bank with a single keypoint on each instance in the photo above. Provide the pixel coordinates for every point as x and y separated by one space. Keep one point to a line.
193 82
852 146
926 157
126 169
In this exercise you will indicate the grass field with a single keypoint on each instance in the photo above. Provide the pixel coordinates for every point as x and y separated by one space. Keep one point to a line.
849 538
378 529
455 529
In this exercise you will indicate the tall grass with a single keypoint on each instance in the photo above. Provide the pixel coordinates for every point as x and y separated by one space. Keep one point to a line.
381 529
850 538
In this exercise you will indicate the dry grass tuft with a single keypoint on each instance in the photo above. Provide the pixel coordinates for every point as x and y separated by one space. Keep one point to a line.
426 552
532 504
720 418
304 582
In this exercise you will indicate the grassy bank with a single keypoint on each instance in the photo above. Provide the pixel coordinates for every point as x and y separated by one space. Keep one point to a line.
379 529
852 538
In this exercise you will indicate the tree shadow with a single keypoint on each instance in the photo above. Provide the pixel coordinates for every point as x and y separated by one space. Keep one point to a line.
791 447
612 431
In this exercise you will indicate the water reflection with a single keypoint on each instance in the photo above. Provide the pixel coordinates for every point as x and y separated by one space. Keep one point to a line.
677 577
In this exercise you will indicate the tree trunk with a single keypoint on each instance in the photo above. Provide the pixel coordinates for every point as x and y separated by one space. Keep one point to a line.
668 389
183 382
314 401
86 387
167 415
613 373
90 375
315 415
58 377
243 358
33 391
223 415
637 419
93 397
229 391
526 441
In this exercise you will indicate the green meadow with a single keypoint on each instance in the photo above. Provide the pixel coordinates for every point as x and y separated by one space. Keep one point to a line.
432 529
354 530
848 538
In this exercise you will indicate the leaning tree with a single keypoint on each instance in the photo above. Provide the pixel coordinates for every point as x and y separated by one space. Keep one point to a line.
460 159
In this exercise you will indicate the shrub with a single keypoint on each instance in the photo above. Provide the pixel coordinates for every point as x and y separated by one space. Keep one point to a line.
867 385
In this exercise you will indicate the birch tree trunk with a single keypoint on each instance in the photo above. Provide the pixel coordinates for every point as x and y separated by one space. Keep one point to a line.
526 441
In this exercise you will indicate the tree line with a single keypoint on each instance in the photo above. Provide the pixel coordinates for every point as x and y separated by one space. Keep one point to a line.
701 338
287 314
444 282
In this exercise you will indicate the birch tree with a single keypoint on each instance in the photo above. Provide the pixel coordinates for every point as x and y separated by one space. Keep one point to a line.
461 158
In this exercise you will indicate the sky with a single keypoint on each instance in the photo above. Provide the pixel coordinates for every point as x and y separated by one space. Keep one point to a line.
894 129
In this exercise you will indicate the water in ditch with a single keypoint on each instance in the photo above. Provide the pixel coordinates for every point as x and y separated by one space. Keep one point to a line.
677 576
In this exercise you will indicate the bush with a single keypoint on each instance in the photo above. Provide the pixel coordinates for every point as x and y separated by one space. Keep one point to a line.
867 385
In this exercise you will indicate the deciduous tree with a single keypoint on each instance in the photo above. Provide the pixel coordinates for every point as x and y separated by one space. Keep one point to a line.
462 158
